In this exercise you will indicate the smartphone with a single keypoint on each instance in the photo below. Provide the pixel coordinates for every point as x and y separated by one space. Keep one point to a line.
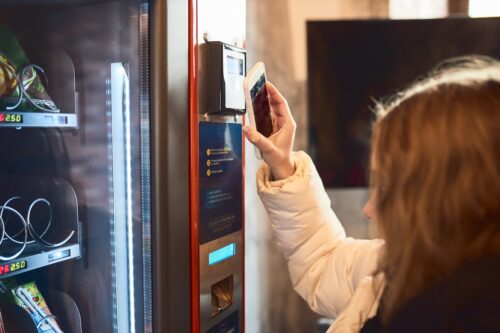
257 101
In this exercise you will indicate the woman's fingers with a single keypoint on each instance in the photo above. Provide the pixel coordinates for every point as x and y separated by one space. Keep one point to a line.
275 97
278 102
277 149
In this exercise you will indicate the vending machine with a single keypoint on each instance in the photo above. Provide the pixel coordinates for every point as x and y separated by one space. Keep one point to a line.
122 168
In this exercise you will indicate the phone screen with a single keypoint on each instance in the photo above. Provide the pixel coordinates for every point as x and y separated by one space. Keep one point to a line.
261 107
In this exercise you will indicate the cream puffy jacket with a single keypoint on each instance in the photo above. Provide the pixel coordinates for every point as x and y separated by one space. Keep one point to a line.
332 272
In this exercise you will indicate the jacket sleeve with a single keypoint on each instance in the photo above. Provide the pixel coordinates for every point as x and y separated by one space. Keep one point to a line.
325 266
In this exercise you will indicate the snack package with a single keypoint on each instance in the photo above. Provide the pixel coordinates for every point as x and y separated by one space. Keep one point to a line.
30 299
2 328
8 80
22 84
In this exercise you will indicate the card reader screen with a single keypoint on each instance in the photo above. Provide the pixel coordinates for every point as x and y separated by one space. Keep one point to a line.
234 65
261 108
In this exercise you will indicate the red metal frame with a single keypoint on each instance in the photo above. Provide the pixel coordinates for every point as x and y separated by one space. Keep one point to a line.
243 230
193 165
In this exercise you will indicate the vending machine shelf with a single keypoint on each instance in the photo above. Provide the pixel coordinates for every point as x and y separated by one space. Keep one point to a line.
31 260
37 119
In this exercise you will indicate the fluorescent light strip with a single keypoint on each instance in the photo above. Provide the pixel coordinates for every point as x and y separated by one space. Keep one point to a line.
130 239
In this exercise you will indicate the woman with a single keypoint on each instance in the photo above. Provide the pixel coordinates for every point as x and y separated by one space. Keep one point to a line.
435 174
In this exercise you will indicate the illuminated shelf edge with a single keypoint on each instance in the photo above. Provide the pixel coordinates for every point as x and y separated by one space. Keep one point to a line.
43 259
38 119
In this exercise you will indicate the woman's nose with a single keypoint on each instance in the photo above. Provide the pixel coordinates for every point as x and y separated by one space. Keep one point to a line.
368 209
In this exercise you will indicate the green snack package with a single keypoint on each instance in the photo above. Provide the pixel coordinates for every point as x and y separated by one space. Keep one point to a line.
22 85
30 299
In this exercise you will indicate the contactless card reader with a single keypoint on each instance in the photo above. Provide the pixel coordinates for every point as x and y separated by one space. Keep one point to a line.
226 69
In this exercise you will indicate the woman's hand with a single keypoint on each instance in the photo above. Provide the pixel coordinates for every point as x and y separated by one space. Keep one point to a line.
277 149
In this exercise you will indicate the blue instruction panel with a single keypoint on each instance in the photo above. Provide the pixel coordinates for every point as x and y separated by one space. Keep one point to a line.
221 177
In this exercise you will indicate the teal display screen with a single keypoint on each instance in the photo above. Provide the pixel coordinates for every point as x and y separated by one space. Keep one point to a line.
222 254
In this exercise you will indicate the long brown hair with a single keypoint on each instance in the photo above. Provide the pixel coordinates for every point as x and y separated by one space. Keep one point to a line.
436 147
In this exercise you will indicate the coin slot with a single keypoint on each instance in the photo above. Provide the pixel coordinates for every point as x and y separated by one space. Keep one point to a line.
222 295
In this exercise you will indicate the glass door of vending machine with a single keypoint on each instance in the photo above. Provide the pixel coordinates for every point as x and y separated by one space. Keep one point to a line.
74 171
